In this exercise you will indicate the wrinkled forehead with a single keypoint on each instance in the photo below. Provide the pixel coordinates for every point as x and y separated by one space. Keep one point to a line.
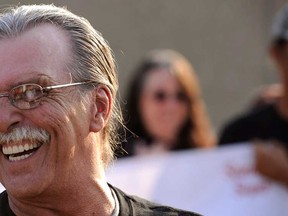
44 49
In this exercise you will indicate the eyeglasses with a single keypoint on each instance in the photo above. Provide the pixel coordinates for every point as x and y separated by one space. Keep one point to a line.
162 96
28 96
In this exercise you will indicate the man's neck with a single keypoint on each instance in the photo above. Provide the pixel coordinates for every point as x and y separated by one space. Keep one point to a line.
90 201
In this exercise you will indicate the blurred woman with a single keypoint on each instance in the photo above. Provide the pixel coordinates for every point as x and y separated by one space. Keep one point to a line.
165 110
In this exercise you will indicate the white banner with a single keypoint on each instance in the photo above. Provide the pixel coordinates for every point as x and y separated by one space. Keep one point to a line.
211 182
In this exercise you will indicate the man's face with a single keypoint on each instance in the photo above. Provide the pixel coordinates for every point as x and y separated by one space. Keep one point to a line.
40 56
280 57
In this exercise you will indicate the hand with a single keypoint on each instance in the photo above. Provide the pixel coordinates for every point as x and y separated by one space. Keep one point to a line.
271 160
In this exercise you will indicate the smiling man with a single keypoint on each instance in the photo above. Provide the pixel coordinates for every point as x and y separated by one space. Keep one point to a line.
58 118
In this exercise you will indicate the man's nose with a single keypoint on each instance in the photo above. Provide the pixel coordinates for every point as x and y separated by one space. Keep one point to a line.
10 116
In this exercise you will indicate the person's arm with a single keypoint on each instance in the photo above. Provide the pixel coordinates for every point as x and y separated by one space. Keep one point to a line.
271 160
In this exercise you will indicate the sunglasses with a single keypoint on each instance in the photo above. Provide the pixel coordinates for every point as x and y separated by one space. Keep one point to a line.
28 96
162 96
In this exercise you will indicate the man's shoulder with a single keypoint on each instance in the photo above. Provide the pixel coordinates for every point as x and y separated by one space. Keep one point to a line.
139 206
145 207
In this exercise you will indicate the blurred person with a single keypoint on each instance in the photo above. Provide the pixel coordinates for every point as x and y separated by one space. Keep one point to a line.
265 95
268 124
58 118
165 110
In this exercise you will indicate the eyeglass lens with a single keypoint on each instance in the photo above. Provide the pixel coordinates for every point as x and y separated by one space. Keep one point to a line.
26 96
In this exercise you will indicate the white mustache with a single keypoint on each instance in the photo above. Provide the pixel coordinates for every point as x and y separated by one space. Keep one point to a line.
25 133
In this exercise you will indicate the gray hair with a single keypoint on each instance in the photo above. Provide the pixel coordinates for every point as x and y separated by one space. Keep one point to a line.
92 58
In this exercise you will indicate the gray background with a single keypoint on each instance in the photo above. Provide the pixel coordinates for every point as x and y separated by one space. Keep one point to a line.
226 41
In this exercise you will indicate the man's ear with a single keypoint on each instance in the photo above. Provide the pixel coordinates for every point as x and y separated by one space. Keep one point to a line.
102 99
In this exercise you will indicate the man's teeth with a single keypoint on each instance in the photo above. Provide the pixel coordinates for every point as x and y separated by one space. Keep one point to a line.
11 151
11 158
18 149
